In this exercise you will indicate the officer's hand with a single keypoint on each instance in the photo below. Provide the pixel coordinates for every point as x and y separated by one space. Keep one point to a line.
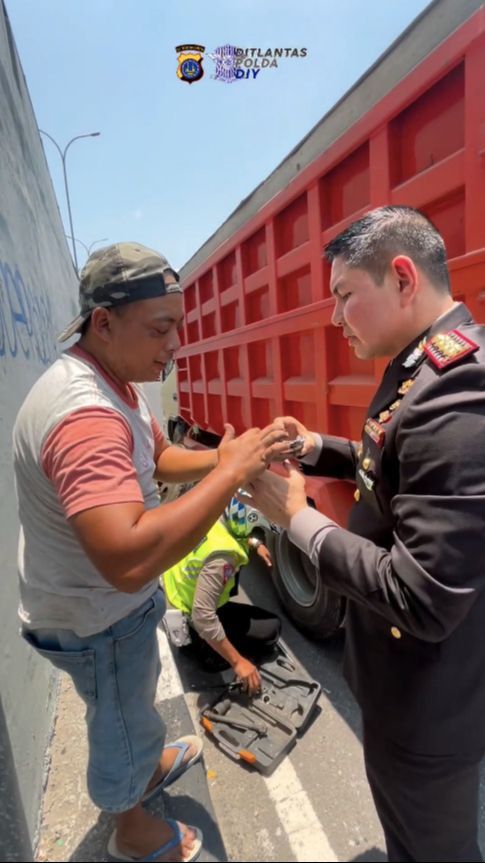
278 497
247 455
248 675
264 553
302 441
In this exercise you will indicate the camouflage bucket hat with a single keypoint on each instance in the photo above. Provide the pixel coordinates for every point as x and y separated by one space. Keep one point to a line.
120 274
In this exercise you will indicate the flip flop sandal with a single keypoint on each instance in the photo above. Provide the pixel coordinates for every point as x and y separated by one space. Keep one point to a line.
172 843
179 766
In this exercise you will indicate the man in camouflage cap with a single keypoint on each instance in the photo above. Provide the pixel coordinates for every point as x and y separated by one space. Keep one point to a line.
87 455
120 274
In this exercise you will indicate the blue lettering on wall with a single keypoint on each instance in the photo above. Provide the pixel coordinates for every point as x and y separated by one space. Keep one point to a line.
26 325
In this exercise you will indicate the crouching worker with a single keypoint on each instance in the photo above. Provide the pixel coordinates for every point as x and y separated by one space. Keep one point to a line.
201 585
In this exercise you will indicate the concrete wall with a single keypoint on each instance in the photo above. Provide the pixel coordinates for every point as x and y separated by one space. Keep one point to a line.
37 298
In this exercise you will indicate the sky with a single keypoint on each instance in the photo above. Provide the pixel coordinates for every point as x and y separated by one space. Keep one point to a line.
173 159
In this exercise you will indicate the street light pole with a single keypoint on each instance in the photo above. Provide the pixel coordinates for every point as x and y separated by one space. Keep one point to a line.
78 241
87 248
63 154
102 240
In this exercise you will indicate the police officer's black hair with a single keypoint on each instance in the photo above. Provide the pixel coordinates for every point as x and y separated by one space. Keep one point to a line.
370 243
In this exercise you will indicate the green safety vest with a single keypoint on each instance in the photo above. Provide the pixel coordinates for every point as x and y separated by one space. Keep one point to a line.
180 581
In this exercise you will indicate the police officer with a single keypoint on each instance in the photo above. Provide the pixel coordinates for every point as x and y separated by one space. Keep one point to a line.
202 584
412 562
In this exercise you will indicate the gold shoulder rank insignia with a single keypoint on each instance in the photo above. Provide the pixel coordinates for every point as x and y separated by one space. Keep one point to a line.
444 349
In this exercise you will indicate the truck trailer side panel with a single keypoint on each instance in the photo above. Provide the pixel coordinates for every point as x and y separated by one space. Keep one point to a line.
258 336
259 342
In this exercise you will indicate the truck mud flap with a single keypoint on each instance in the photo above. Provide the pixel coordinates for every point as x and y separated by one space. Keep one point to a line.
260 730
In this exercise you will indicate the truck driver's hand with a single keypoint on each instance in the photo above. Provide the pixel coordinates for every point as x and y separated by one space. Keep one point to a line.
249 454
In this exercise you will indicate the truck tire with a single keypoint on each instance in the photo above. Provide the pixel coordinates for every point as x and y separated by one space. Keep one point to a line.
177 429
315 609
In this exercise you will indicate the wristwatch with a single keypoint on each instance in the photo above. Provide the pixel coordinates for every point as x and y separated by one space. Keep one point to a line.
254 542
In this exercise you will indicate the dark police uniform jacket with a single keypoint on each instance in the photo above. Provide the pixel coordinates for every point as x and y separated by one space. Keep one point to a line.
412 562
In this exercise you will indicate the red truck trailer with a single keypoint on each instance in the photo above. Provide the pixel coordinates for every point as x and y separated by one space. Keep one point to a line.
258 338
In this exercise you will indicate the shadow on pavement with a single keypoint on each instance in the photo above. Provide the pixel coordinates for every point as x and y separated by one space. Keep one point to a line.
373 855
14 833
93 846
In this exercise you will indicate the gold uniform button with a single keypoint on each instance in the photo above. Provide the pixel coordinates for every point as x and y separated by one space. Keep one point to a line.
357 494
366 463
395 632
